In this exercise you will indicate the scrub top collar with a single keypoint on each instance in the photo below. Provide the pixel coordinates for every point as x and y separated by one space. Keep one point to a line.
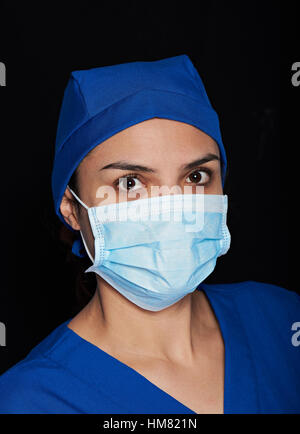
113 377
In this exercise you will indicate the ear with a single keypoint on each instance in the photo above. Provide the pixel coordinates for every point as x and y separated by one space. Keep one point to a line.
68 210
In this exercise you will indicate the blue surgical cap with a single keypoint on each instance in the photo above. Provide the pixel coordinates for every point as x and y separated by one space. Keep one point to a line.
100 102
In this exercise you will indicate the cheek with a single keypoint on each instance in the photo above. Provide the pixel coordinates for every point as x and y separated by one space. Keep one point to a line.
215 186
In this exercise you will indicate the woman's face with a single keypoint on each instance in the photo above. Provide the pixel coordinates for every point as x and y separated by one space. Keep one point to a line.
154 157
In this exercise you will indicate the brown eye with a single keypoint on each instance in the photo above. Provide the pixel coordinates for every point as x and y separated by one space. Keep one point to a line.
198 177
129 183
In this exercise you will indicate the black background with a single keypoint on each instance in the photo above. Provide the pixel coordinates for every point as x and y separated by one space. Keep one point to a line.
239 51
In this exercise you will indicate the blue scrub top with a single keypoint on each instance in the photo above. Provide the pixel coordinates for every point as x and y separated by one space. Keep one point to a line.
67 374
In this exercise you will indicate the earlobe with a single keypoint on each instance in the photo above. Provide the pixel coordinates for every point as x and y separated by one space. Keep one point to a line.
67 209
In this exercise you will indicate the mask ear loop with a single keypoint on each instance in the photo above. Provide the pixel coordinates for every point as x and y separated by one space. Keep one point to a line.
87 208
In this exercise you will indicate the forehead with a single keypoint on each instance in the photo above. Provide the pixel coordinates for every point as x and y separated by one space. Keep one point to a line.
154 138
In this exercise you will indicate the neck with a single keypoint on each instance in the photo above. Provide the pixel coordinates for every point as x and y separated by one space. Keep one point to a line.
118 326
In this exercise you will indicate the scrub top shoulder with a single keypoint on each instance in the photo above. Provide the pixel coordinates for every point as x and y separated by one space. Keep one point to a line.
65 373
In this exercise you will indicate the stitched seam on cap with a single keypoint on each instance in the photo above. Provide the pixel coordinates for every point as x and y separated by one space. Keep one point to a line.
81 94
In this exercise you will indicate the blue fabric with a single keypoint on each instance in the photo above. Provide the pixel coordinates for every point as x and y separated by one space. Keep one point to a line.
100 102
78 248
67 374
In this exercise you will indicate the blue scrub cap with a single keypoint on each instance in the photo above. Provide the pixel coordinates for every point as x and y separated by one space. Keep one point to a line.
100 102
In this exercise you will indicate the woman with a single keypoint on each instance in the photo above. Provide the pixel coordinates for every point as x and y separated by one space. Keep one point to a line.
140 145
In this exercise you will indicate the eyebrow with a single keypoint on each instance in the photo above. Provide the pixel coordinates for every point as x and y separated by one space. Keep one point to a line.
124 165
198 162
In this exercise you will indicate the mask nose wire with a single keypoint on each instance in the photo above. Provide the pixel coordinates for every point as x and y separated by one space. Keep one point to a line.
83 240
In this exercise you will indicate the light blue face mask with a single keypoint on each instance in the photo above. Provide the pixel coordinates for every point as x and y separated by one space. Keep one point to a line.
154 251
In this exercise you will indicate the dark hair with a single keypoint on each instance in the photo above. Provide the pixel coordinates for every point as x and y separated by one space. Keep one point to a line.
85 283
